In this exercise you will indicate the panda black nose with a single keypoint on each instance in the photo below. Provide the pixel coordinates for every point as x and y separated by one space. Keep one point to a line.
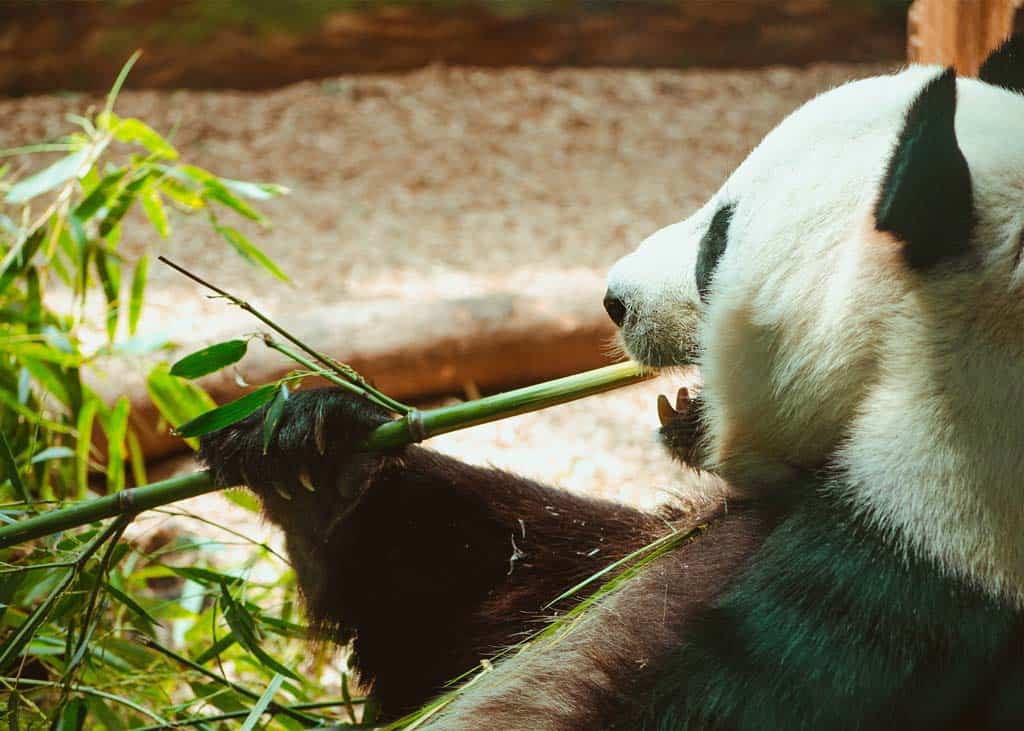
615 308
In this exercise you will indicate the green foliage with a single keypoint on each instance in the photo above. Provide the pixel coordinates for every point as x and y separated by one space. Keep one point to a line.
60 235
89 635
227 414
210 359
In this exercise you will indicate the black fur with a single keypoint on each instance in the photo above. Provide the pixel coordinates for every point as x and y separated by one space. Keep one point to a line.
831 626
1005 66
712 245
926 200
429 563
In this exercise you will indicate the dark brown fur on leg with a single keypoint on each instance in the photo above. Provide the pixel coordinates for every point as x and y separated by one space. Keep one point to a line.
440 564
431 564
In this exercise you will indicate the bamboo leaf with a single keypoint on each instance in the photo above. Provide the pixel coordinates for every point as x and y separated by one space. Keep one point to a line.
26 630
49 453
184 195
135 131
177 399
41 351
119 82
209 360
249 251
256 191
117 427
139 345
205 577
72 717
120 205
228 414
107 718
137 459
216 649
109 272
274 413
33 300
153 207
11 469
261 705
84 443
24 385
16 261
48 178
97 197
215 189
243 499
133 606
138 291
244 629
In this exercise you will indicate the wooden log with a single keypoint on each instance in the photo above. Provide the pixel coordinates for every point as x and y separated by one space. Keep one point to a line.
958 33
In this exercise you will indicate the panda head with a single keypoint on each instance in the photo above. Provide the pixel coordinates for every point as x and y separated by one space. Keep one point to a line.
854 292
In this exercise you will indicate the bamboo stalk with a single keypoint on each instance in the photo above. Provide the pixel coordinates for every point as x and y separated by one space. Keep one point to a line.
414 427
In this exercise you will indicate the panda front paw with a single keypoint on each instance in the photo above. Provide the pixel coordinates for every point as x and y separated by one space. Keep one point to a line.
310 458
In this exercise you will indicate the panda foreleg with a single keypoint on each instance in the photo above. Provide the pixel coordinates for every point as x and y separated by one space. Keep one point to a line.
429 563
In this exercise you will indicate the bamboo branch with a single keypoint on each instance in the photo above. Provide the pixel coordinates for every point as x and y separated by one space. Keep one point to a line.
343 370
273 706
414 427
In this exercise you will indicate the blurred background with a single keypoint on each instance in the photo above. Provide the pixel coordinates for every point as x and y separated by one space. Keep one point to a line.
55 45
462 175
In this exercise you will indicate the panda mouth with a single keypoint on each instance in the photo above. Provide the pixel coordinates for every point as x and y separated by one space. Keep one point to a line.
656 354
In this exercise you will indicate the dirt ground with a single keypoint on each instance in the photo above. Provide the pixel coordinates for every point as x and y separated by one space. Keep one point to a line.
447 182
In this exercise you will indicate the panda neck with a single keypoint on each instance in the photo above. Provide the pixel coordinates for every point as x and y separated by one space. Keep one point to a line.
935 459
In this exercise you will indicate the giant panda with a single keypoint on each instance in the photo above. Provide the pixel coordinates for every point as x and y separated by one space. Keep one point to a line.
854 298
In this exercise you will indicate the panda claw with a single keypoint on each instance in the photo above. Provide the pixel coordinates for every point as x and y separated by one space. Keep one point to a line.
306 481
318 436
666 414
280 490
682 399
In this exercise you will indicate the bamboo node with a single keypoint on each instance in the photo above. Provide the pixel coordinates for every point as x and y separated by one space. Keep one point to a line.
417 429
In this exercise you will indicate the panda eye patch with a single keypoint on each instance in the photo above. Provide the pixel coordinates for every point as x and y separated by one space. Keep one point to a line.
712 246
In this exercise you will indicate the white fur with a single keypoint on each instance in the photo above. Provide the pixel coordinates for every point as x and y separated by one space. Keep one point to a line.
820 347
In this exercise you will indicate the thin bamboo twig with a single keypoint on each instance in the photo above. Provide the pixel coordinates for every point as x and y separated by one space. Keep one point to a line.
28 628
228 715
122 523
343 370
414 427
86 690
240 689
313 368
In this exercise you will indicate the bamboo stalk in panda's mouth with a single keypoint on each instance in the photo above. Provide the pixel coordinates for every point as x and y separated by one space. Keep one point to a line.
419 425
414 427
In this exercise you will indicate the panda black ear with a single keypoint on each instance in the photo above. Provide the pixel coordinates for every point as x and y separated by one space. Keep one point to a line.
1005 67
926 199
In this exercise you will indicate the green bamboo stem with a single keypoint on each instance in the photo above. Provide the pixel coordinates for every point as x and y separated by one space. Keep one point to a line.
414 427
502 405
132 500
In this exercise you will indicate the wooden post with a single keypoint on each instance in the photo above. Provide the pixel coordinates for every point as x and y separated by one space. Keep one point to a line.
958 33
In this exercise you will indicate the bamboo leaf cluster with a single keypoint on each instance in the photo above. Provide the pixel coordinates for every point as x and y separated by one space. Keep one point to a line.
96 631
